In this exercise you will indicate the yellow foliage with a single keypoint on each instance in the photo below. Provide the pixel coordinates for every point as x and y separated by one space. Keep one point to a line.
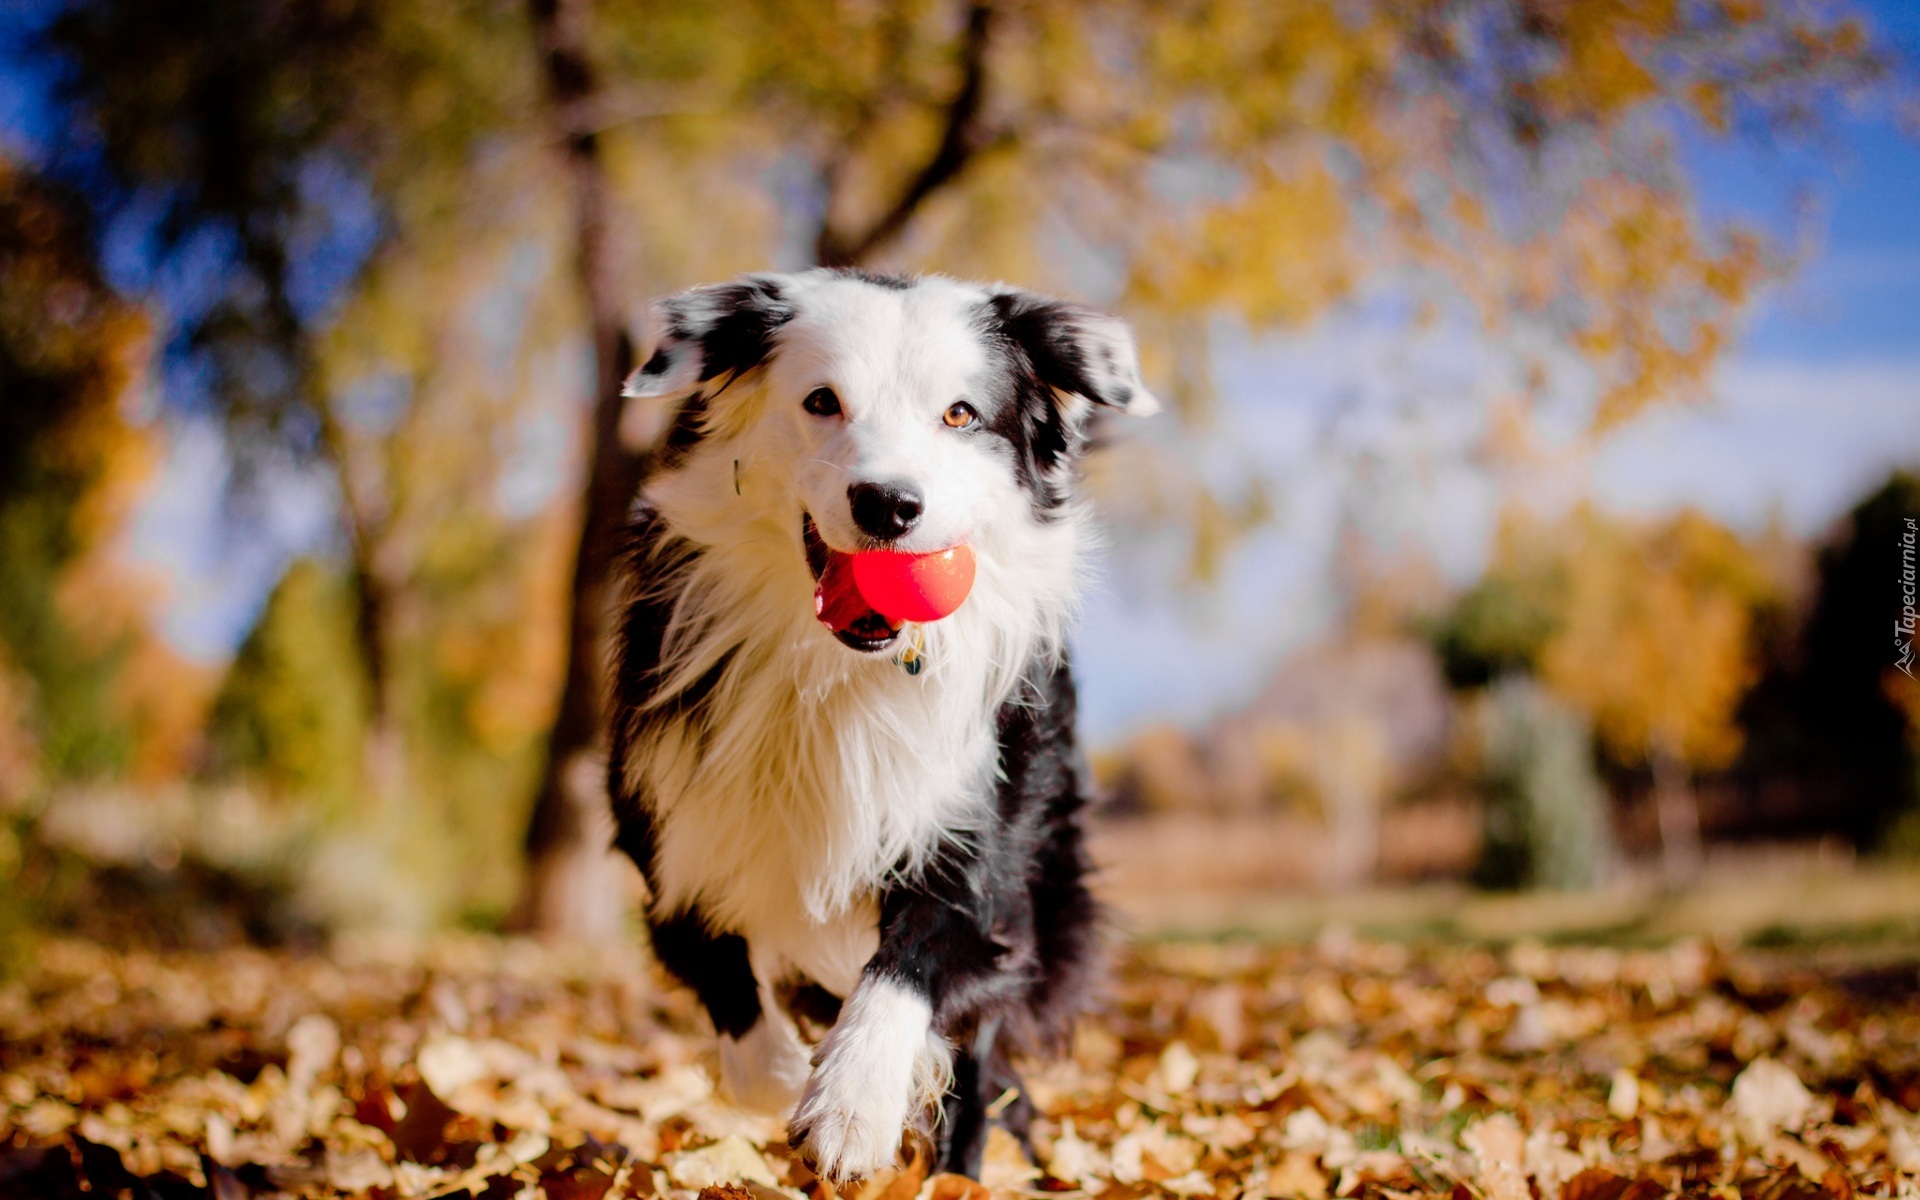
1653 634
1219 156
1228 160
1245 254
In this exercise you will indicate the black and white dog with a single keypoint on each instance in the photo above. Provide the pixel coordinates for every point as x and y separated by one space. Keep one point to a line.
829 839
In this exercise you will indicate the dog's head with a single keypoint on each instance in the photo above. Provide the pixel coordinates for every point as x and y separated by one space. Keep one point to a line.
863 412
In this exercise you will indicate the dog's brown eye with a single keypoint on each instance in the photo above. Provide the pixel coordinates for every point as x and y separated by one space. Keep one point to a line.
960 415
821 402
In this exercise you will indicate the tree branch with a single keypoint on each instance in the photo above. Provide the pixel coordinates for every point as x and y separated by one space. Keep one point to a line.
961 140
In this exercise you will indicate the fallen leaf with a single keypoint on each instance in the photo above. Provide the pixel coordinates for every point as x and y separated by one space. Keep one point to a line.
312 1045
1176 1070
670 1093
955 1187
1594 1183
1499 1151
448 1062
359 1171
1623 1098
1193 1183
1005 1163
1903 1150
1297 1175
1075 1161
1218 1017
729 1160
1768 1097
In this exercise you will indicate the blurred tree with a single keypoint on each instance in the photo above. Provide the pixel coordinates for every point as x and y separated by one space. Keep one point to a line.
1657 645
1827 719
88 690
568 887
292 712
1648 630
1502 624
260 154
1546 810
71 354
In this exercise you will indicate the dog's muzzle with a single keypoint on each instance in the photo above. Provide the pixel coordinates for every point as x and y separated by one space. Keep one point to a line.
837 602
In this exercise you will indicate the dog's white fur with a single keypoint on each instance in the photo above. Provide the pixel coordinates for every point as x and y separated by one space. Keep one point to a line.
822 769
767 1069
880 1064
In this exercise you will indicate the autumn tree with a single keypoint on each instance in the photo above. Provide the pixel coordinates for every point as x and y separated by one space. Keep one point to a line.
1647 629
90 693
292 711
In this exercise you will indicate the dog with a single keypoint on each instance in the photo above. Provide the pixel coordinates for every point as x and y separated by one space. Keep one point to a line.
846 825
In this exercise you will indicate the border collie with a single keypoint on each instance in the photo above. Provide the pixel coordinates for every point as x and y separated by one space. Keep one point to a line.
849 830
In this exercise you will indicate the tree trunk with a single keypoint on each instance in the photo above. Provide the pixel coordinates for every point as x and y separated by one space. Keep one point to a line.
365 522
384 760
574 888
1680 852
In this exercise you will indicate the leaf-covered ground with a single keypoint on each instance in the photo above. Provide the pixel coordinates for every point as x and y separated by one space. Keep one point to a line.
1344 1068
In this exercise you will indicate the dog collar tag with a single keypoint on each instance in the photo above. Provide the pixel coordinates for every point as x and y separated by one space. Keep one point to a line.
913 656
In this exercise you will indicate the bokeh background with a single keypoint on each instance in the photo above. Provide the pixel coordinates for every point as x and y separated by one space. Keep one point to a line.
1521 553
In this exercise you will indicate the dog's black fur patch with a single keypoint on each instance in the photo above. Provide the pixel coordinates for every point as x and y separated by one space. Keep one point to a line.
736 337
1038 351
732 327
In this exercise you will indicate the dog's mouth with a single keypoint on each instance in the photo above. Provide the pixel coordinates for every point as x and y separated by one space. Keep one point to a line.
837 602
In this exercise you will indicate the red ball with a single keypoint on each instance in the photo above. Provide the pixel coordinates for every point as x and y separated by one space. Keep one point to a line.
914 587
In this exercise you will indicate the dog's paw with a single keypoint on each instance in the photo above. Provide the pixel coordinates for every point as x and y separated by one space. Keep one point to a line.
846 1137
875 1069
765 1070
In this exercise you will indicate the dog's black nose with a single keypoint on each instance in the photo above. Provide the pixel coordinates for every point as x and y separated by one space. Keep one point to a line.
885 510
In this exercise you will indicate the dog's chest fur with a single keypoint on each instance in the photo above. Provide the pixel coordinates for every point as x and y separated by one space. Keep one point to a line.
808 793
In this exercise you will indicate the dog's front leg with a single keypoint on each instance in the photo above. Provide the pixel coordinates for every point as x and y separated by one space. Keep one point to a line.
878 1066
888 1056
764 1067
762 1061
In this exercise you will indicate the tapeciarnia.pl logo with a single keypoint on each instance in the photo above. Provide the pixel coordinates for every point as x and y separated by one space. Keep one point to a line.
1903 624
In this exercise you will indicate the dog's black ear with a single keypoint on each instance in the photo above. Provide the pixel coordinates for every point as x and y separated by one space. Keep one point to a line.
698 336
1075 350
